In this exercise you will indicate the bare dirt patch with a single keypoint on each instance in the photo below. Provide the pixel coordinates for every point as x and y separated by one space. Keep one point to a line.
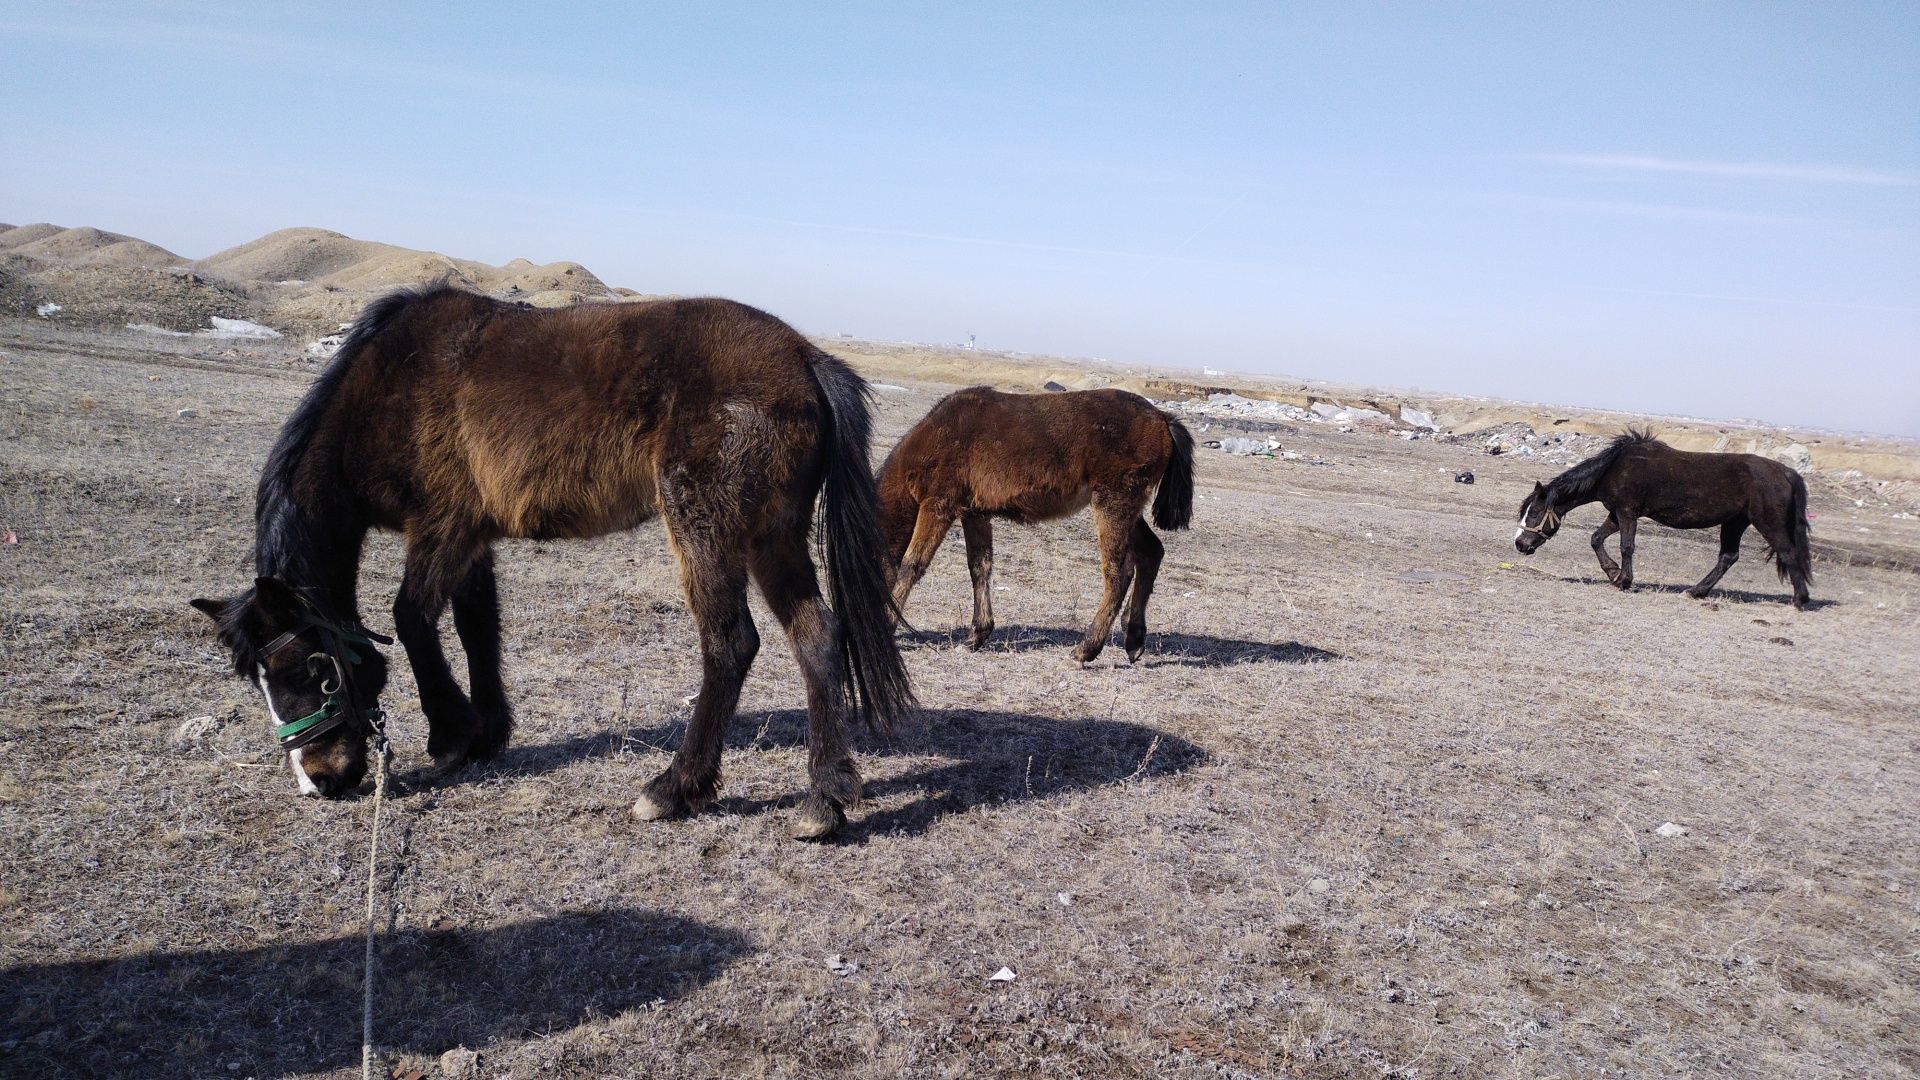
1373 804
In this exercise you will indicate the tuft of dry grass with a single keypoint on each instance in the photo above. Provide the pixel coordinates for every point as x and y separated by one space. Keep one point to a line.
1380 800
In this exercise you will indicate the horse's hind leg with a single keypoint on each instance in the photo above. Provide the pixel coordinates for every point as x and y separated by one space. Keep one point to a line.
786 576
978 530
1781 541
1607 565
1147 553
1115 526
433 568
715 581
1730 534
476 615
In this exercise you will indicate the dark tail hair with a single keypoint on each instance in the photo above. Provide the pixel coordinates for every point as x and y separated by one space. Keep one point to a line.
850 512
1173 506
1797 561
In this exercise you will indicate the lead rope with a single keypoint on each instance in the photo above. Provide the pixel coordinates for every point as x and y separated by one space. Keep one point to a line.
384 752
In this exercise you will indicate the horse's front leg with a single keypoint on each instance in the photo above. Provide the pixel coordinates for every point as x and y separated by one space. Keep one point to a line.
1607 528
476 615
432 571
978 531
1629 525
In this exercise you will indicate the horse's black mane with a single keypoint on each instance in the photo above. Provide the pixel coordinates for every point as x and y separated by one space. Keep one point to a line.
283 531
1578 482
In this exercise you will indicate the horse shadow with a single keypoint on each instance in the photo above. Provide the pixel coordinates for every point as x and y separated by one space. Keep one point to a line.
294 1008
1731 596
1163 649
960 759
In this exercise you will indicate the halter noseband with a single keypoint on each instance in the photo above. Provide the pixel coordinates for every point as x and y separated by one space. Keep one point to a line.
341 706
1548 521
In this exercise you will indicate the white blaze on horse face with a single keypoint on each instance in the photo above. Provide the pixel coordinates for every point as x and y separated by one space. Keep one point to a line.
307 786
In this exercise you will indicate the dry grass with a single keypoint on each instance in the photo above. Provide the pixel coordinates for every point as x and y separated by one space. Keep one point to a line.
1340 822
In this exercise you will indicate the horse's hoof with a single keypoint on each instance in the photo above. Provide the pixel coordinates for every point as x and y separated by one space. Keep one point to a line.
1134 655
818 820
646 809
976 642
1085 654
451 763
1696 594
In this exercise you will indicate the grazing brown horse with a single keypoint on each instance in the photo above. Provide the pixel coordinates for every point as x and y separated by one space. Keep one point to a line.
458 420
981 454
1639 476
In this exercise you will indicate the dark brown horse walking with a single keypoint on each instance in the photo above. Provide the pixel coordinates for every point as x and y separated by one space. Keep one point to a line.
459 420
1639 476
981 454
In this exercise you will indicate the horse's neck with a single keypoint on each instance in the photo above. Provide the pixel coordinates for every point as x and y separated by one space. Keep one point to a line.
1560 502
316 550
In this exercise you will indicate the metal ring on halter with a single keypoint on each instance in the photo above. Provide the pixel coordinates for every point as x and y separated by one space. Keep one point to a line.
339 678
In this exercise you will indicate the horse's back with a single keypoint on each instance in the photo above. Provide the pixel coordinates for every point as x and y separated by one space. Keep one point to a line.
1034 457
1690 489
563 419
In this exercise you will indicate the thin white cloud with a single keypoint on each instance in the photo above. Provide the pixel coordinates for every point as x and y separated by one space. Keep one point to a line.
1747 170
1792 301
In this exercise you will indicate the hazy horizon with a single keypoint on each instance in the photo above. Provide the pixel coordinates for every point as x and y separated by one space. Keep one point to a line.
1709 211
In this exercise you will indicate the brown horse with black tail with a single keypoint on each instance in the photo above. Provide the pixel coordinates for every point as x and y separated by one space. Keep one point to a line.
980 454
1639 476
458 420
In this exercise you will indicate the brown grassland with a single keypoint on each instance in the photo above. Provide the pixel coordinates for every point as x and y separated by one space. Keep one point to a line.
1373 804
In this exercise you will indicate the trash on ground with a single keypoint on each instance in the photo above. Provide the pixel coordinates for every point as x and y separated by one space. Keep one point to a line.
1005 974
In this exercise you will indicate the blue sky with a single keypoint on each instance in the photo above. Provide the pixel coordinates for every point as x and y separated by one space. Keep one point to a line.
1693 208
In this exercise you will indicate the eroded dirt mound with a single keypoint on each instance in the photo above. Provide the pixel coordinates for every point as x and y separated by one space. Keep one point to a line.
85 246
302 281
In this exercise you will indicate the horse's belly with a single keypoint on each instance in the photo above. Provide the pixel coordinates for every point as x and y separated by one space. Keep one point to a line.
570 500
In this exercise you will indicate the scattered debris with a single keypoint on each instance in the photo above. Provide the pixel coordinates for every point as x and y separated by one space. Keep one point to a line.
460 1063
840 965
1671 830
1419 418
238 328
1052 387
1319 885
185 414
195 729
1780 640
47 311
1240 447
9 537
1005 974
1065 898
1795 456
1463 477
324 348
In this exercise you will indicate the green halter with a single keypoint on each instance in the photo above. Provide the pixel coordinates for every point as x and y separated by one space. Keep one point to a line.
340 705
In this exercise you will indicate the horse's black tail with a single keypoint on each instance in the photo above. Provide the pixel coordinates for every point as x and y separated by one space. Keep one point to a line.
1796 563
1173 506
876 676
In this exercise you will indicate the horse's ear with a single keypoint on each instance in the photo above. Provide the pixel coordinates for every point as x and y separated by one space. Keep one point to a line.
275 596
213 609
1539 488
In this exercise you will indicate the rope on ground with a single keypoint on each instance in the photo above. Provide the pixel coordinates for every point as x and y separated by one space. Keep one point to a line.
384 753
